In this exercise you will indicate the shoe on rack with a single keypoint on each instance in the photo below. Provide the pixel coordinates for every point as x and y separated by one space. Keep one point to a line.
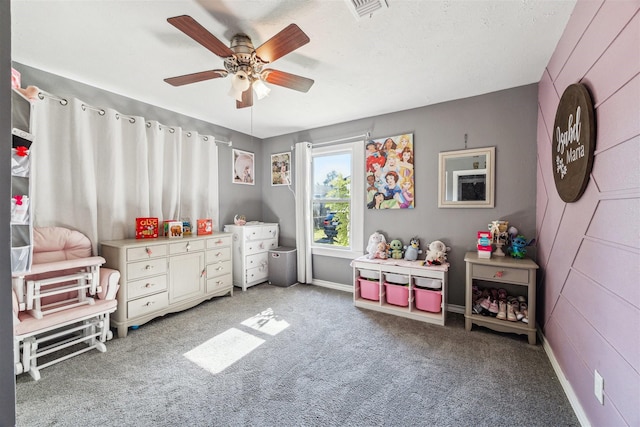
511 311
502 310
502 294
485 303
524 309
493 308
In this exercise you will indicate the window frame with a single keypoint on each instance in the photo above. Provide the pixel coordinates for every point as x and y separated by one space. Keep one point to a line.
356 223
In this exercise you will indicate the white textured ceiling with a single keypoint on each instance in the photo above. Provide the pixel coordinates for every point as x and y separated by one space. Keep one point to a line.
412 54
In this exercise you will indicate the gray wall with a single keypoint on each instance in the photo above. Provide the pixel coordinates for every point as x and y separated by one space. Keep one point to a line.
234 198
7 378
506 119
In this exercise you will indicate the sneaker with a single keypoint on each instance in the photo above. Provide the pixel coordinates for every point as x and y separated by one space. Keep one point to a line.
502 310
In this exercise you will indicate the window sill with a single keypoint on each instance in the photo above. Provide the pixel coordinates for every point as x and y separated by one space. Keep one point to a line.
336 252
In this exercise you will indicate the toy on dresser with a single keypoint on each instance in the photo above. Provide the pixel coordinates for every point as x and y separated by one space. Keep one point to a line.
412 251
381 251
519 245
437 253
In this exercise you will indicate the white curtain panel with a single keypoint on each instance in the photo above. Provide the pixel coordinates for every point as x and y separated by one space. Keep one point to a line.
96 171
303 179
199 178
165 160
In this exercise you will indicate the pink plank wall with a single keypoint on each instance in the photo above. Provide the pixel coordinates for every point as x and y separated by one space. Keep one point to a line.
589 251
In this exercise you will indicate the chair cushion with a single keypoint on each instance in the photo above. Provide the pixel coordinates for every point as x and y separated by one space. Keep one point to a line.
29 325
59 244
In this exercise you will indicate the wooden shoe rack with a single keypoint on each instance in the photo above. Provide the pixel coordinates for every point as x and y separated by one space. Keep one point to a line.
518 276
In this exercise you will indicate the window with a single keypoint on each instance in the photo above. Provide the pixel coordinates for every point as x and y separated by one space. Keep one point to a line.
337 200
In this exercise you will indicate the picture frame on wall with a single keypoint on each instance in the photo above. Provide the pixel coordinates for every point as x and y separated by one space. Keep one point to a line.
243 167
390 172
281 169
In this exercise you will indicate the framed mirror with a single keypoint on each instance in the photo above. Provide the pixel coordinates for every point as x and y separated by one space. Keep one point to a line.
467 178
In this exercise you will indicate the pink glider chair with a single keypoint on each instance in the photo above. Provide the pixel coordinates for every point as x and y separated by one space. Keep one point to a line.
63 301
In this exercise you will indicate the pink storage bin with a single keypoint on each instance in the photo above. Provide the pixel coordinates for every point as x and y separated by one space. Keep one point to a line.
369 289
397 295
427 300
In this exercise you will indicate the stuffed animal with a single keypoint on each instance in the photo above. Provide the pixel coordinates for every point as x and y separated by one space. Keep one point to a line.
381 251
372 246
395 249
412 251
437 253
518 246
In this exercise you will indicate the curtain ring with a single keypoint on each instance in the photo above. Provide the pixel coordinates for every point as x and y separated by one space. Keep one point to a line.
149 124
205 138
117 116
172 130
132 120
189 134
101 112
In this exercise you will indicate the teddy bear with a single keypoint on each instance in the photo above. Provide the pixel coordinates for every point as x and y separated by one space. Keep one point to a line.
437 253
412 251
372 246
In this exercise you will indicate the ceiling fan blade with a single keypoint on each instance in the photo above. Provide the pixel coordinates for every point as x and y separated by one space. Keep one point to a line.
247 99
287 80
284 42
196 77
193 29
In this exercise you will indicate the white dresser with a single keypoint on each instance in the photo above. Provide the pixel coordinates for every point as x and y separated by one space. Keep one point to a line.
251 245
162 275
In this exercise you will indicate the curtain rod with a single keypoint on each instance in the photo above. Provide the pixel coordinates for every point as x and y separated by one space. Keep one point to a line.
101 111
335 141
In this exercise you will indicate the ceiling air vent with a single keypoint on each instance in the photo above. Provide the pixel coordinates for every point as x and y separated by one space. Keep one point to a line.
366 8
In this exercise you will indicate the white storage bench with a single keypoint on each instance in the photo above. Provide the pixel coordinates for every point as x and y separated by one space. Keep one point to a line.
402 288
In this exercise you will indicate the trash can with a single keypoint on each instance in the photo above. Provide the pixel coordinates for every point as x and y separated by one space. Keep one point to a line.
283 269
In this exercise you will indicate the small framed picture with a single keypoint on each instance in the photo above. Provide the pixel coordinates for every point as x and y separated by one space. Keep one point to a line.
281 168
243 167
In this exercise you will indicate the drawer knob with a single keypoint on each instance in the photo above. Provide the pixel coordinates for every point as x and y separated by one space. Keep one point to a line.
219 282
148 285
149 303
219 254
203 272
498 273
219 242
188 246
148 251
219 268
149 267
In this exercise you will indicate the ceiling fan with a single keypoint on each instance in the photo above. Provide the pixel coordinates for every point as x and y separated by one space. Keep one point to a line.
244 61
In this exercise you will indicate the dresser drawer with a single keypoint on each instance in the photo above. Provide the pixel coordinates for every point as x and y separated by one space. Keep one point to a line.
146 305
219 268
257 260
254 247
186 247
146 252
218 241
150 285
152 267
218 254
269 232
500 274
257 273
220 282
271 244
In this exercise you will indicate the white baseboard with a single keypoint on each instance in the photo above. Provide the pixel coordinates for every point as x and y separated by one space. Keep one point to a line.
453 308
566 386
332 285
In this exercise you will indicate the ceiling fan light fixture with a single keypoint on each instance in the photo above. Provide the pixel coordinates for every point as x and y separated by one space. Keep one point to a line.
260 88
239 83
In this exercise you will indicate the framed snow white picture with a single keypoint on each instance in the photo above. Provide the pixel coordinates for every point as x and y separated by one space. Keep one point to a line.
389 172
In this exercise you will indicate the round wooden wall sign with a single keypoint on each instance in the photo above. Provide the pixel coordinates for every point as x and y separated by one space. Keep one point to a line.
574 138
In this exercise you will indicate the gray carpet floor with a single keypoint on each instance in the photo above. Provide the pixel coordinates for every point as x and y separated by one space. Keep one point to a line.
334 365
